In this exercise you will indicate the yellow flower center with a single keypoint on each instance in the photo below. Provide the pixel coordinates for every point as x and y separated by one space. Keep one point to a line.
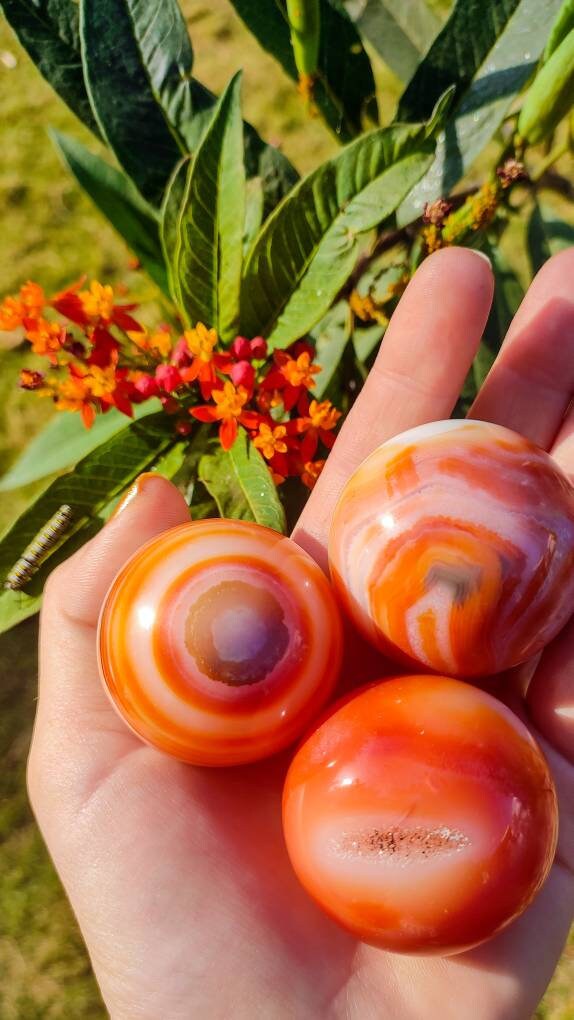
323 415
98 301
230 401
201 342
300 372
270 440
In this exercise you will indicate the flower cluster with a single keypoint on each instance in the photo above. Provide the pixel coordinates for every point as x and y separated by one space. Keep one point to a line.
100 356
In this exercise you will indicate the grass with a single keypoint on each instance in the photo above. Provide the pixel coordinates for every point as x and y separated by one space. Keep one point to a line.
51 232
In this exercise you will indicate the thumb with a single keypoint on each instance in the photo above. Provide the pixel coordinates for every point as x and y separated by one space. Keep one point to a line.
77 733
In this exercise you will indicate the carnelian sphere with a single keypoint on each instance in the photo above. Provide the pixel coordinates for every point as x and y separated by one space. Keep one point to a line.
452 547
219 641
421 815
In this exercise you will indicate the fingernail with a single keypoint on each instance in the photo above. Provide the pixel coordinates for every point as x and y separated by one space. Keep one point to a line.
134 490
483 255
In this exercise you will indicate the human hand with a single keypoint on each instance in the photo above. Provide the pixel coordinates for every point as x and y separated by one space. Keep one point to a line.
178 875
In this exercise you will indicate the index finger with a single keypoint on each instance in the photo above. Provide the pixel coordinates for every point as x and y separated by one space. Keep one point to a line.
419 372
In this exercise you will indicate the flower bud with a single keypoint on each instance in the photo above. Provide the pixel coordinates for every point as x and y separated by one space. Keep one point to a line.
241 349
168 377
243 374
146 386
258 347
181 356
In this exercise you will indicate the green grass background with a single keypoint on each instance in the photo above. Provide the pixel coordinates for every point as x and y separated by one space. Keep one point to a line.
50 232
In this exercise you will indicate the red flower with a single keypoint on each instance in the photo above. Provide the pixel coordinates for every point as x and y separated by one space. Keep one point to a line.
30 380
317 425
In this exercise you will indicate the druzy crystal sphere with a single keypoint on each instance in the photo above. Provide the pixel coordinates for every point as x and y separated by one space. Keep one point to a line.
452 547
219 641
421 815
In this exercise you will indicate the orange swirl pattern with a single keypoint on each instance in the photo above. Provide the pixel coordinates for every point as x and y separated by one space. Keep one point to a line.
421 815
219 642
452 547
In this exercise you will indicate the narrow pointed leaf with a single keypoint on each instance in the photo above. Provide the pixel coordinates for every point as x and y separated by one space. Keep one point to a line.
482 107
331 336
262 160
401 31
97 479
135 56
209 234
456 54
308 247
241 484
169 216
114 195
254 201
345 90
49 32
563 24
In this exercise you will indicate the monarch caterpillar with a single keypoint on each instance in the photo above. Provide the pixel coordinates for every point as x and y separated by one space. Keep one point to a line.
35 553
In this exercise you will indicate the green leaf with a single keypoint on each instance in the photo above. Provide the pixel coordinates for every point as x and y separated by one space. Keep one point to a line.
563 24
457 53
49 32
254 200
97 479
547 234
277 174
114 195
331 336
209 234
401 31
366 338
504 71
308 246
169 216
137 65
241 484
64 441
345 90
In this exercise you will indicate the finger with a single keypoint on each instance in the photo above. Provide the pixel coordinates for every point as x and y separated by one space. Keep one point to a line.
531 382
417 377
75 722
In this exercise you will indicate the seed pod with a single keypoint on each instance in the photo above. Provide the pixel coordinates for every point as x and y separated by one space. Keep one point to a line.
304 18
562 25
550 96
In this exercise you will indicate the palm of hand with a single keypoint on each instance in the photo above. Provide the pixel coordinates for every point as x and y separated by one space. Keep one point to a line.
179 876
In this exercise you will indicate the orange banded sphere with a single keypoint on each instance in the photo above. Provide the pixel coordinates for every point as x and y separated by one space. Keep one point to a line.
219 642
421 815
452 548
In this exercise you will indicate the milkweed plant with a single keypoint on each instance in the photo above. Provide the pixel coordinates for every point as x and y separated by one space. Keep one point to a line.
275 290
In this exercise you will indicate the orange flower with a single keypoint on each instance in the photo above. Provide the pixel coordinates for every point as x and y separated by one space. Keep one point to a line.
98 301
311 472
84 391
317 425
270 440
229 410
47 338
159 343
201 343
292 376
322 415
28 305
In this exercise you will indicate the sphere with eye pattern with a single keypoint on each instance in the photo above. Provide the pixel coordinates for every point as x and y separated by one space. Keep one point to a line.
219 642
421 815
452 548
